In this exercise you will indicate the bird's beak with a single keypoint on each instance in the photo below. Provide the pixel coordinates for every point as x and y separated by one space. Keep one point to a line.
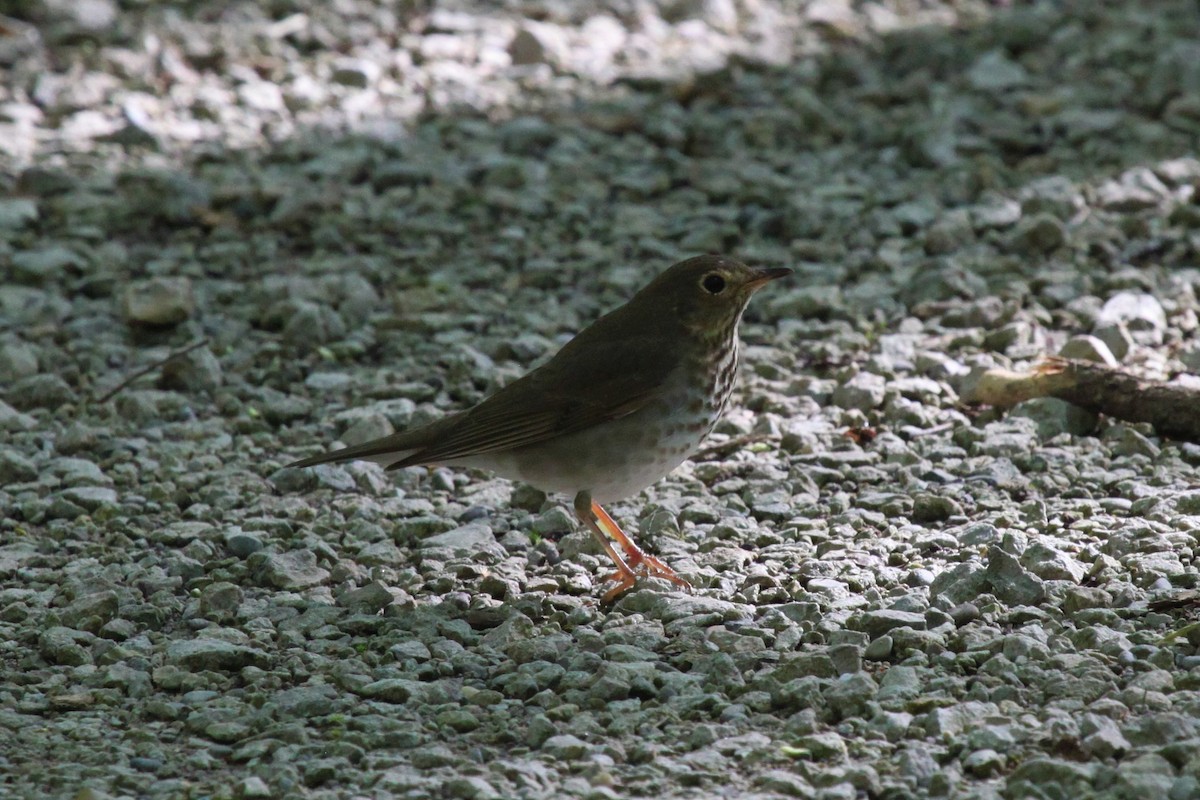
765 276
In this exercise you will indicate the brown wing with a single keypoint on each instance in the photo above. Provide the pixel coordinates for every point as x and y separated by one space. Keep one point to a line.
585 384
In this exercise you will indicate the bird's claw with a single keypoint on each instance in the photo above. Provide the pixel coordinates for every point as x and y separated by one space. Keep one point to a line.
640 564
634 563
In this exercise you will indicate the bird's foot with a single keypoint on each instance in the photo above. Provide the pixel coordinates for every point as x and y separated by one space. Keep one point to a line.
635 561
625 582
646 565
643 565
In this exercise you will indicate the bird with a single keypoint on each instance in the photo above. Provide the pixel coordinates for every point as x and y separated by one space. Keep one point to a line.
622 404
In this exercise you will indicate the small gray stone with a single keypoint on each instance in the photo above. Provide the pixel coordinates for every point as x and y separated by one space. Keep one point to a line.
241 543
303 702
1129 442
1137 189
196 371
849 695
1101 738
467 538
13 420
565 747
469 787
17 360
1116 336
220 600
61 645
962 583
1189 355
984 763
880 649
963 613
1141 313
393 690
369 599
817 301
159 302
1039 234
950 722
15 557
368 427
289 571
877 623
1186 787
215 655
16 468
79 472
825 746
783 783
40 391
864 392
555 520
996 213
254 788
91 498
846 658
536 43
934 508
357 72
1010 581
995 71
1081 598
44 264
1052 565
280 409
1055 195
308 325
91 612
261 96
951 232
1054 417
899 683
1089 348
974 534
1147 775
17 212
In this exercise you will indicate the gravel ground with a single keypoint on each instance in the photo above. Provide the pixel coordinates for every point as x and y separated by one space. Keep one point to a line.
369 215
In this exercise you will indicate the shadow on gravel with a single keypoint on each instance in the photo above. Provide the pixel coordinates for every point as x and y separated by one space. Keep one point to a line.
868 162
927 166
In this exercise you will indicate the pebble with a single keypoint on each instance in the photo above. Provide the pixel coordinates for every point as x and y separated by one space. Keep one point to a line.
288 571
159 302
864 392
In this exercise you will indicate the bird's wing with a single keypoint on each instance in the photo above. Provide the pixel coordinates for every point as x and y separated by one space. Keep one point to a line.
580 387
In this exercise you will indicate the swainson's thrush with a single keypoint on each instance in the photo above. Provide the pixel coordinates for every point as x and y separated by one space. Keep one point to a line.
620 406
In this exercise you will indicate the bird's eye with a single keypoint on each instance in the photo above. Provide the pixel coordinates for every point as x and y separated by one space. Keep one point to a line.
713 283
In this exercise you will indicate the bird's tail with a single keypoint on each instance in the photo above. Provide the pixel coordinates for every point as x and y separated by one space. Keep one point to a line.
387 450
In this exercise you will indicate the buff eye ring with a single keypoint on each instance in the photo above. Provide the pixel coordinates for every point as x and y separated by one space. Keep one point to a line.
713 283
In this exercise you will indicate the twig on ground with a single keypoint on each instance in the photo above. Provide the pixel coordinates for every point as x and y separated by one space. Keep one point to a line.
148 369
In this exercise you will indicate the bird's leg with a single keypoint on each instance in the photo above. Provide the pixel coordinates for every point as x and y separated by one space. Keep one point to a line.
604 527
624 576
635 557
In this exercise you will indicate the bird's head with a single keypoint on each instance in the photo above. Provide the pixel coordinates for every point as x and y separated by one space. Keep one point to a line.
707 293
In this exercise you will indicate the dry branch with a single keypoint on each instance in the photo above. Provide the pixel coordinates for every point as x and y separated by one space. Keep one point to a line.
1173 409
150 368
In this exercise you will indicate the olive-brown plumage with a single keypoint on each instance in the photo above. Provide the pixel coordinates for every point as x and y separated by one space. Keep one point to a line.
616 409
